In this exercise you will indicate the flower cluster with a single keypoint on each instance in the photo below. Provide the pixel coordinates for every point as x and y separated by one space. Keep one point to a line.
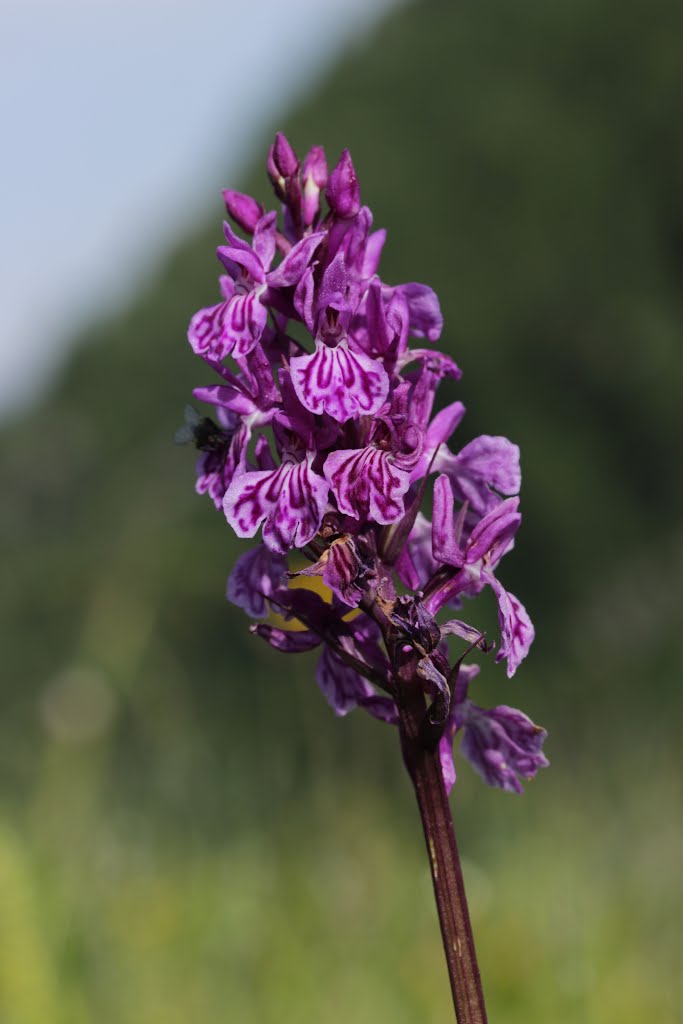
324 438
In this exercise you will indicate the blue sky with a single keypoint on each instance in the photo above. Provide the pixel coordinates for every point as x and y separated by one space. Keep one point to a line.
119 120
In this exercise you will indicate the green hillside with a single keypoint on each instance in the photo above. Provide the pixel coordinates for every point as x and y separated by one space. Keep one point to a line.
186 832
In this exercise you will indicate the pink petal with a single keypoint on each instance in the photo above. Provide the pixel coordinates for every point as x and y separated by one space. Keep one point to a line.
367 484
342 383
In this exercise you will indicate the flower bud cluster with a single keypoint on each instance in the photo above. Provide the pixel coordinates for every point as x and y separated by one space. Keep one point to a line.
324 439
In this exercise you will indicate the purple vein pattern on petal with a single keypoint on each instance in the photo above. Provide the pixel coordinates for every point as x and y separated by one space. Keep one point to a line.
343 687
342 383
366 482
256 575
289 501
502 744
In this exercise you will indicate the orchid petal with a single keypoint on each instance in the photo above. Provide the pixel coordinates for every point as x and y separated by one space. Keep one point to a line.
492 534
342 383
516 629
342 686
343 191
264 239
502 744
445 547
290 271
367 483
287 641
289 501
239 252
256 575
426 319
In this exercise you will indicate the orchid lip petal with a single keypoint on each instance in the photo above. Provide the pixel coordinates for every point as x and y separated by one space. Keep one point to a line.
342 383
289 501
255 576
367 483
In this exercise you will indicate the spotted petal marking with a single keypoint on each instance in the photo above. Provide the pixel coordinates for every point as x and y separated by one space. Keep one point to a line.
366 482
340 382
290 502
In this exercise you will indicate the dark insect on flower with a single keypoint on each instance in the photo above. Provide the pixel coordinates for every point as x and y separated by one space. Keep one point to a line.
201 431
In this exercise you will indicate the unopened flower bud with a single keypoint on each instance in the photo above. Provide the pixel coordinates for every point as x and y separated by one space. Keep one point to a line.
282 164
314 179
343 190
244 210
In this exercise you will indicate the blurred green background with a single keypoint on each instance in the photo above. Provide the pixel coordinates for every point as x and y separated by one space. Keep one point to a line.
186 832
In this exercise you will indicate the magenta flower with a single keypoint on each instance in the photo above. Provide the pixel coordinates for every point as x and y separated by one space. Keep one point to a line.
325 438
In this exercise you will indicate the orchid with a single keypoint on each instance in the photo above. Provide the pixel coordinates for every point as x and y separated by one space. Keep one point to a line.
326 440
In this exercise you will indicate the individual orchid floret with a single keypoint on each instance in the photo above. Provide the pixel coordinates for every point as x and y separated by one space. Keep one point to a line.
340 382
289 501
502 744
336 379
235 326
257 575
369 483
473 563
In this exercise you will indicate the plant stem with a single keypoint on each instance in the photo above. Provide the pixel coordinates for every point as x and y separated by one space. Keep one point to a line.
449 889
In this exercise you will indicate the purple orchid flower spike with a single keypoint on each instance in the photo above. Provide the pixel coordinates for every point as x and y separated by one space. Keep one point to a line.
353 433
324 436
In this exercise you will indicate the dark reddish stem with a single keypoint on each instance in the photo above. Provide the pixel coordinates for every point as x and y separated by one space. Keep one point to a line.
424 767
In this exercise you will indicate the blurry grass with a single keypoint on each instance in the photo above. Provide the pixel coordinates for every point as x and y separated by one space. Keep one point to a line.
324 914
